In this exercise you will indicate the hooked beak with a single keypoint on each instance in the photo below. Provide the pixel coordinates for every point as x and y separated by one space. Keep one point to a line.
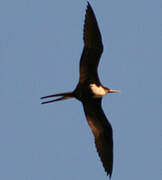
113 91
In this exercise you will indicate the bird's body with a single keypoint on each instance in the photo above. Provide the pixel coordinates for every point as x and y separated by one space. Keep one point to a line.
90 91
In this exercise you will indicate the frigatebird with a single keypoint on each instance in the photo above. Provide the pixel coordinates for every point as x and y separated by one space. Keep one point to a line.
90 91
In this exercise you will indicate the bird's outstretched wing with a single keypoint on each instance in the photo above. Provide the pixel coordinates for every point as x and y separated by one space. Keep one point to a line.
102 132
92 48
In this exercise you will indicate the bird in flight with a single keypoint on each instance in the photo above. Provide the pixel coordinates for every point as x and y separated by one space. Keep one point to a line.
90 91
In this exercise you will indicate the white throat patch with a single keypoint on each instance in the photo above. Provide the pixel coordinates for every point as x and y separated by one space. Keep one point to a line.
98 90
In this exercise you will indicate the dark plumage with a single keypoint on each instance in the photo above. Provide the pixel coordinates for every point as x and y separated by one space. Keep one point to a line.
90 91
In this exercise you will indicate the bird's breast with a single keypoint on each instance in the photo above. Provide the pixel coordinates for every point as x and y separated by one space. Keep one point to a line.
88 91
98 91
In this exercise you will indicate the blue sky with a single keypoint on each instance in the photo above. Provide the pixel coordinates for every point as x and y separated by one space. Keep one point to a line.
40 48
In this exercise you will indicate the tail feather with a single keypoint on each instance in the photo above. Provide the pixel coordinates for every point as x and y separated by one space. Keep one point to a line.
65 95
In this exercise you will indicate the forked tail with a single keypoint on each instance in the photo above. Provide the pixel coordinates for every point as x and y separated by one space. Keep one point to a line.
65 95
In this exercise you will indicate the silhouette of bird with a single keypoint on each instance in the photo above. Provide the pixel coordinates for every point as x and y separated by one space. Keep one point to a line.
90 91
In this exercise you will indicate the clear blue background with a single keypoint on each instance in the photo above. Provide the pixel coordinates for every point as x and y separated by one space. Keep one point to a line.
40 48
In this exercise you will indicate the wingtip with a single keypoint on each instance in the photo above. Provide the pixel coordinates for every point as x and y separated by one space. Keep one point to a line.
88 5
109 173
